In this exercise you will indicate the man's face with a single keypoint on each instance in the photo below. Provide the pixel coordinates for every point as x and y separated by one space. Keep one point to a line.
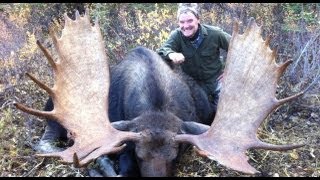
188 24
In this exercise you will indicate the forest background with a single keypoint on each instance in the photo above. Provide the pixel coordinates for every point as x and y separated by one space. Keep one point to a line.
295 30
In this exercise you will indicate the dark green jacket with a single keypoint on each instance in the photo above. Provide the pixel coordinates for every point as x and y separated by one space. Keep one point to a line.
203 63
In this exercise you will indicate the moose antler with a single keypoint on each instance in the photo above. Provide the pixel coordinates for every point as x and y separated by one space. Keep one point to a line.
80 92
246 99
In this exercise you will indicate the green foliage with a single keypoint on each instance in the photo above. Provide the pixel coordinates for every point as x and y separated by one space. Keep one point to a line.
297 13
128 25
155 26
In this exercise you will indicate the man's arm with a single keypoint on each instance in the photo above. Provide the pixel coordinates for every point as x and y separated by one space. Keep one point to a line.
172 45
224 40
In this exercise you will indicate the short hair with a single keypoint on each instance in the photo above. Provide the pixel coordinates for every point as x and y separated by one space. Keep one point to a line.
188 7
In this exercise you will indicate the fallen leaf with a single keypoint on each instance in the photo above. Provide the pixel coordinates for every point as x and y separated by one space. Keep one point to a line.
294 155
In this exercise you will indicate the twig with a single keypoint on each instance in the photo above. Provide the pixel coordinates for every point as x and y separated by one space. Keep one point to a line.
34 168
304 49
313 82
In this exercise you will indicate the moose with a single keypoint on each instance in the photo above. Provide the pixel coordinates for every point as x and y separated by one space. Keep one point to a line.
144 102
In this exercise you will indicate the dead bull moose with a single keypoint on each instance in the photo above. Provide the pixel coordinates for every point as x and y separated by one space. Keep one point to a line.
81 89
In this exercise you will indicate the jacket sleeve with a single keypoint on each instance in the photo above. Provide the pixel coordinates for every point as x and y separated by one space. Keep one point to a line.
224 40
170 46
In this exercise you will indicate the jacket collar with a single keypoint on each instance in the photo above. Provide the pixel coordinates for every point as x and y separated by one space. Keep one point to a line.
203 30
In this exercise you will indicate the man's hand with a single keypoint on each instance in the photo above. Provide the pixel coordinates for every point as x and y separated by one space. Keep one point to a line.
177 58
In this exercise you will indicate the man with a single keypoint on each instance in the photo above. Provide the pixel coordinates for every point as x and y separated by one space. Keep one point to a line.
196 47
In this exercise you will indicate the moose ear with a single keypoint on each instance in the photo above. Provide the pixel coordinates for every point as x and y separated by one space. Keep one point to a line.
122 125
193 128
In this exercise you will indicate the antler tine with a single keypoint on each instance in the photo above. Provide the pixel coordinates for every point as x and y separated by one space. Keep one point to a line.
76 161
41 85
268 40
235 26
281 70
44 114
251 25
248 97
67 20
263 145
48 56
282 101
274 53
77 15
97 154
252 22
54 38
